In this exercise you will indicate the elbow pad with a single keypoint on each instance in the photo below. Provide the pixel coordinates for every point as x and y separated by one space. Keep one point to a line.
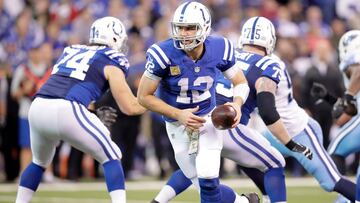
266 105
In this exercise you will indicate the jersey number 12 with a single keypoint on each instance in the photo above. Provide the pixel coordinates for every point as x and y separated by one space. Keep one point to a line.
196 95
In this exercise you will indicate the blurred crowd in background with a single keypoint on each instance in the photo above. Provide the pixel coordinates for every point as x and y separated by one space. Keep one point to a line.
33 34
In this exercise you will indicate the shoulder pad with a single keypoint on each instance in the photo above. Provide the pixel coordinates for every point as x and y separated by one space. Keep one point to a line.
265 62
222 46
158 53
117 57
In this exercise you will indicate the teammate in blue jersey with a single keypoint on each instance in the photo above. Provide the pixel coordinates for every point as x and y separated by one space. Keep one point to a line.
345 109
184 70
59 111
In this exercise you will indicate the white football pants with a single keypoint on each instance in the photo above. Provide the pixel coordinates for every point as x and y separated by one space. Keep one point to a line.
52 120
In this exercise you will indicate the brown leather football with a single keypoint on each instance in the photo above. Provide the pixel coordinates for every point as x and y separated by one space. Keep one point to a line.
223 117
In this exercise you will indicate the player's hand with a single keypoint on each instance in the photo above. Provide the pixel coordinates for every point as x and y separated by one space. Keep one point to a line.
237 108
297 147
107 115
346 104
190 120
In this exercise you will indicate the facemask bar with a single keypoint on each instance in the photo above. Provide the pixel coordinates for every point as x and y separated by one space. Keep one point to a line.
179 40
124 48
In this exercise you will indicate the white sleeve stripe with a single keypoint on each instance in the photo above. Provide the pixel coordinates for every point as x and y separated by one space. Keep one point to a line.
258 64
267 64
231 51
151 76
156 57
226 49
162 53
116 55
110 52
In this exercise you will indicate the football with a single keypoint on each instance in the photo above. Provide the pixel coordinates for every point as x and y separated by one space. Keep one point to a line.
223 117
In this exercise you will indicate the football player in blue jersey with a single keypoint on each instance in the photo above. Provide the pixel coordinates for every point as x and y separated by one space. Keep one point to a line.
184 69
302 128
59 111
345 110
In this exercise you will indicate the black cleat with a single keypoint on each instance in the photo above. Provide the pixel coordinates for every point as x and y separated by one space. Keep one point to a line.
154 201
252 197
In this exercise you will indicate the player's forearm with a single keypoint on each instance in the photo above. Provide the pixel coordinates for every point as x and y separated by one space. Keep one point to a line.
239 101
127 102
354 85
131 106
157 105
344 118
279 131
135 108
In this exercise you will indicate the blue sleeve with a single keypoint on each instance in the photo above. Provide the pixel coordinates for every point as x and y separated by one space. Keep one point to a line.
273 71
228 55
119 60
156 61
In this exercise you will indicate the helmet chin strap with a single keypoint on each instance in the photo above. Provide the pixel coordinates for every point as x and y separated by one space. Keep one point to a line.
192 45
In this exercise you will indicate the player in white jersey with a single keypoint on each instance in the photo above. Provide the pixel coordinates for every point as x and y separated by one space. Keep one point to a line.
307 131
183 69
59 111
345 110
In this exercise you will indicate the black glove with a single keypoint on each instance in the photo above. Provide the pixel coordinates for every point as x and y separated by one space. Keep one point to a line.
296 147
320 93
346 104
107 115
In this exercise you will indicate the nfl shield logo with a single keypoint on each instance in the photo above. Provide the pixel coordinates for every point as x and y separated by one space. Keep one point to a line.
197 69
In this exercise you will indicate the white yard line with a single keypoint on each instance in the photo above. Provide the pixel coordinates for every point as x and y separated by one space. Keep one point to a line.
54 199
150 185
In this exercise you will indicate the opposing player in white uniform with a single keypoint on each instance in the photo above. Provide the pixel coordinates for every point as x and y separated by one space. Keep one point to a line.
59 111
241 144
346 108
184 69
307 131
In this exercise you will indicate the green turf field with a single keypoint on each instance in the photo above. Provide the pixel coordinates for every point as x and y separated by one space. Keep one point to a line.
142 192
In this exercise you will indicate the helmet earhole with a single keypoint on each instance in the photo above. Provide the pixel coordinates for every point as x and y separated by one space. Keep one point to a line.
114 39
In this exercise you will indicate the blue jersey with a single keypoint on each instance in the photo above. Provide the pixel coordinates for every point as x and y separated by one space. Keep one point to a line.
186 83
224 90
254 66
78 75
